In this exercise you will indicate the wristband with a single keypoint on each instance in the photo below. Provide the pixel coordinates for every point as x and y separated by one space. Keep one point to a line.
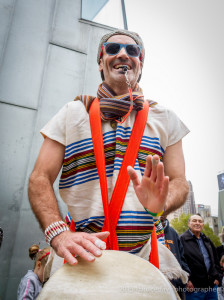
154 214
55 229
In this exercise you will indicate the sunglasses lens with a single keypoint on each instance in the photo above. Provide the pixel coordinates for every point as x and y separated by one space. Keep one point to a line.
112 48
133 50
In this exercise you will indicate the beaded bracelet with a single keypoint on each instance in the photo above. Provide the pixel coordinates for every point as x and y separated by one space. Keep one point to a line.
154 214
55 229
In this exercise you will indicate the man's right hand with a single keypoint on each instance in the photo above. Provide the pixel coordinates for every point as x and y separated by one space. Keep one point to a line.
70 243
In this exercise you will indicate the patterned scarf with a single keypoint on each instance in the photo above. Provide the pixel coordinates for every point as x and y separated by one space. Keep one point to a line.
114 107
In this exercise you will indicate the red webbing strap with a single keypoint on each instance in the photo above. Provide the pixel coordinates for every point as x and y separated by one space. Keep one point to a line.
98 146
72 226
117 200
154 254
129 159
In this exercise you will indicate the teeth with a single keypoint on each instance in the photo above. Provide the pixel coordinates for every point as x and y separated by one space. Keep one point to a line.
121 66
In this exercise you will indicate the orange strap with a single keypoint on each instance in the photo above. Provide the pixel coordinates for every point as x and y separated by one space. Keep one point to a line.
154 254
123 179
112 212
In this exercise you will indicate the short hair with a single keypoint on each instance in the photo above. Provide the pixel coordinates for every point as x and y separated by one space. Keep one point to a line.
195 215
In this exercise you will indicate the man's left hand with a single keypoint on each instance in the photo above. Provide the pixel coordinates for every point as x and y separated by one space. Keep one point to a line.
152 190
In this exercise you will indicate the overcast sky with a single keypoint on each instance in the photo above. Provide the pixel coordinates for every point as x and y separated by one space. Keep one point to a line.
184 70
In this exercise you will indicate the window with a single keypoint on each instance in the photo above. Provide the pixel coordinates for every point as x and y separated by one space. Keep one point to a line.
107 12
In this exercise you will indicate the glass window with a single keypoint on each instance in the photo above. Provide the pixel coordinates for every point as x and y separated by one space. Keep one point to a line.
106 12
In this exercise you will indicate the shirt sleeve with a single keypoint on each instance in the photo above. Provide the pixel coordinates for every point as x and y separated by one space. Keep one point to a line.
55 129
176 128
26 290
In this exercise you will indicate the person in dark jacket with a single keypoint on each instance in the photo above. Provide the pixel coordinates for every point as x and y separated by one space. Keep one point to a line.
173 243
201 257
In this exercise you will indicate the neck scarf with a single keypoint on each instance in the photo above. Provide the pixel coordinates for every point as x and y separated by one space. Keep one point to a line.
114 107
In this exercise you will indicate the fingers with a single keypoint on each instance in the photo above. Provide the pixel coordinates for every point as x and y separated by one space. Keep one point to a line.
151 170
155 162
151 167
85 246
69 258
88 246
148 166
93 244
101 235
96 239
133 176
159 174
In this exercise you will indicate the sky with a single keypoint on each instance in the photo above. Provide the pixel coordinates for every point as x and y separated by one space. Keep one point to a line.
184 71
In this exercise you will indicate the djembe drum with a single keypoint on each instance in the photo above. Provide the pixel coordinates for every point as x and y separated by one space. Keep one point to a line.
115 275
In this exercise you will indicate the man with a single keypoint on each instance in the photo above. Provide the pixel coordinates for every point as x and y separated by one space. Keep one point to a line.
173 243
201 258
68 143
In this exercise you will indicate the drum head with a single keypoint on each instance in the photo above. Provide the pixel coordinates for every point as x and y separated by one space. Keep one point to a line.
115 275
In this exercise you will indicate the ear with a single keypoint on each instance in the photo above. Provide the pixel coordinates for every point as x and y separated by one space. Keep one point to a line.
38 264
101 65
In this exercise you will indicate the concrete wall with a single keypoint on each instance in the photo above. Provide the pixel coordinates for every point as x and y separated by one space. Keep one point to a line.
47 57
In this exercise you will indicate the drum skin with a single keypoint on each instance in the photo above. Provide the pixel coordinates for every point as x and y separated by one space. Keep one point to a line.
116 275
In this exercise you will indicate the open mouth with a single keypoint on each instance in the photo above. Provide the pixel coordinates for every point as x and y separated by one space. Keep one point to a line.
121 67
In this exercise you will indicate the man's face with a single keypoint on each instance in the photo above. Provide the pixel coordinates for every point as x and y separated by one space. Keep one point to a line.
196 224
109 63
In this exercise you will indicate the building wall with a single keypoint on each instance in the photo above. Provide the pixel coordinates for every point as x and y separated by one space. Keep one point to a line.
47 57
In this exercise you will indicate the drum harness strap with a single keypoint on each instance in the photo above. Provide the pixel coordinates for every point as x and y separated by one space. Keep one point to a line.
112 211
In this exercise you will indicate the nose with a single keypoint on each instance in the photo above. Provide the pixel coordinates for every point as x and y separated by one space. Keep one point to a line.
122 53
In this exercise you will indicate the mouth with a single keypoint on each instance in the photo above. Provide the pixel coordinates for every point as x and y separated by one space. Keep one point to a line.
117 67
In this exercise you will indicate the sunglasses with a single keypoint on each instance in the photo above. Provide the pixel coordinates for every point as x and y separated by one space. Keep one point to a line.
133 50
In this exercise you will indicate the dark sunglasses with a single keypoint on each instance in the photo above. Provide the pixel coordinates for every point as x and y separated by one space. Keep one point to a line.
133 50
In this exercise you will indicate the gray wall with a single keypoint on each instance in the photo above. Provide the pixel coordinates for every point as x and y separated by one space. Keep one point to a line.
47 57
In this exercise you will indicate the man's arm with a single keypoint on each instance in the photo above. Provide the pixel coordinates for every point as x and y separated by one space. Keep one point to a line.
174 167
45 207
41 193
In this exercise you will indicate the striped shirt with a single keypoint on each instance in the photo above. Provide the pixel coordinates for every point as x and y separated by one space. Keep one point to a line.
79 183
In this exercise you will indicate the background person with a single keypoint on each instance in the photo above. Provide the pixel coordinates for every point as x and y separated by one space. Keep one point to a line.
31 284
201 257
